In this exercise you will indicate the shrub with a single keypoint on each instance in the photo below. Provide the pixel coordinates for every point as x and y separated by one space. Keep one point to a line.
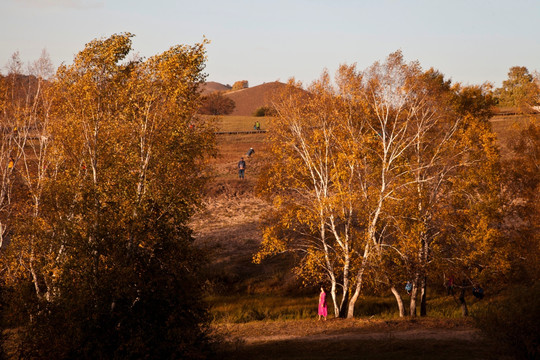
216 104
264 111
514 321
239 85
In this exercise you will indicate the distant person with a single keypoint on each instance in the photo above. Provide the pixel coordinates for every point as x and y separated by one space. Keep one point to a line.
257 125
250 152
450 285
478 292
408 287
323 307
241 168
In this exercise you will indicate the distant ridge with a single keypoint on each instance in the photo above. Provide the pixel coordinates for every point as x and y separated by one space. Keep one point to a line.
212 86
250 99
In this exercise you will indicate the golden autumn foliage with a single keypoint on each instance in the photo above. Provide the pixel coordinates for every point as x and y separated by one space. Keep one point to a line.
113 164
384 175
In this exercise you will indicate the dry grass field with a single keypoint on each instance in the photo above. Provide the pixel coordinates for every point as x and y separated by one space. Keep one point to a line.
237 123
250 99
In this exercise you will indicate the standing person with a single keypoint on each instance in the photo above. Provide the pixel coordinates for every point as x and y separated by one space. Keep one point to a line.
450 285
241 168
323 308
408 287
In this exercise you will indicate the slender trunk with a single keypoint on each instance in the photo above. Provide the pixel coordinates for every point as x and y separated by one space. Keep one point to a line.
344 309
359 278
414 293
358 287
399 301
334 295
464 310
423 281
423 297
35 278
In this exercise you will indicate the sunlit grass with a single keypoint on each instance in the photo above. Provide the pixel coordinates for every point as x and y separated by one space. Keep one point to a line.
237 123
241 309
247 308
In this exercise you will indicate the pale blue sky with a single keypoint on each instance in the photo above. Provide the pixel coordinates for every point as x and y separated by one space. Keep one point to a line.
470 41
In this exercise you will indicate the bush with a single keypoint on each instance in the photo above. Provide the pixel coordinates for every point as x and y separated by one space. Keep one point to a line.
216 104
264 111
239 85
514 321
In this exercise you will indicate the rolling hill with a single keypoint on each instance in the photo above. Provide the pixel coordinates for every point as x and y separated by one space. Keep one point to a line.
249 99
212 86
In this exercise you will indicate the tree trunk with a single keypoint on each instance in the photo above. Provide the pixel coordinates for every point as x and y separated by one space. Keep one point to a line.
358 287
350 310
344 309
399 301
464 310
423 297
334 297
359 278
414 293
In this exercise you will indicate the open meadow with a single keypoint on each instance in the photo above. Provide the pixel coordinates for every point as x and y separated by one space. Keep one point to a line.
262 311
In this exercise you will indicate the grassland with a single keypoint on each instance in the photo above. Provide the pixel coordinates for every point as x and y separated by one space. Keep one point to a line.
259 307
238 123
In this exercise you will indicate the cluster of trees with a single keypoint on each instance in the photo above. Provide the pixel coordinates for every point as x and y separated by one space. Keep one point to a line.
97 185
521 90
384 176
240 84
216 104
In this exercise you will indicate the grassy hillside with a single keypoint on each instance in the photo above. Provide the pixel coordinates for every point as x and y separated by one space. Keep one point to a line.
237 122
250 99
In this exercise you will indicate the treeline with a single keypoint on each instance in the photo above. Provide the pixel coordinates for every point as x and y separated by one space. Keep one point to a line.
101 166
392 175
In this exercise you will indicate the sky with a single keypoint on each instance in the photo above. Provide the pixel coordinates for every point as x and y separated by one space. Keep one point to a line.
469 41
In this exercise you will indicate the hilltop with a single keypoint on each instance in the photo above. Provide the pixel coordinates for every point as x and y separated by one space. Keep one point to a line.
212 86
249 99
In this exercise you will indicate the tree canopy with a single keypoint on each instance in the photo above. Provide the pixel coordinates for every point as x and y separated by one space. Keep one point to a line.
108 157
519 90
381 176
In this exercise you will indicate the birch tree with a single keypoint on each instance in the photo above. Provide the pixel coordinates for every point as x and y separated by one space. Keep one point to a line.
313 205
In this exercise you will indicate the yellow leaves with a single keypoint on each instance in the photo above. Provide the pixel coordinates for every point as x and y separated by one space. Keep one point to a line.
272 244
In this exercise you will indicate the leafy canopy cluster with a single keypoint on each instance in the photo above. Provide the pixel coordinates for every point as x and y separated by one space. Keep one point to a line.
382 176
216 104
520 90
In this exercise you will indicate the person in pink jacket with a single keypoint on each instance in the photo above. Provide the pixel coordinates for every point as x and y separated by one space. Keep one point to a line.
323 308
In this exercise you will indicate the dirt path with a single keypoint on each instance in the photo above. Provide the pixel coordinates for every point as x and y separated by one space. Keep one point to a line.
360 329
357 339
413 334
